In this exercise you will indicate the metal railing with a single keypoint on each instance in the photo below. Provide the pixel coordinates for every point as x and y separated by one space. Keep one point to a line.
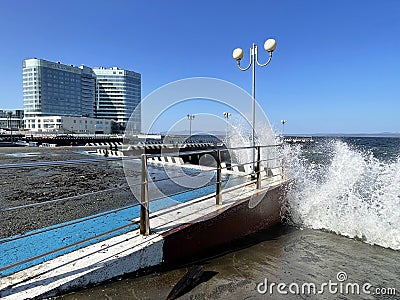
144 201
255 176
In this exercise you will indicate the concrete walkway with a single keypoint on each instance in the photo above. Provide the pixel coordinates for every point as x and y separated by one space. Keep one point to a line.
118 255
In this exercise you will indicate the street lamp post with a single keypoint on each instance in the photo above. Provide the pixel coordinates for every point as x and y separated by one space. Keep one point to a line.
283 127
227 115
190 118
269 46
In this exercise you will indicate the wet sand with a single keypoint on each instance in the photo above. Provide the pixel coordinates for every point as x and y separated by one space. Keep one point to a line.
284 254
27 186
35 185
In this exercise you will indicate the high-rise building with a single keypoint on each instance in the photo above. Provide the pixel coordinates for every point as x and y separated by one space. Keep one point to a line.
52 88
55 89
118 94
88 91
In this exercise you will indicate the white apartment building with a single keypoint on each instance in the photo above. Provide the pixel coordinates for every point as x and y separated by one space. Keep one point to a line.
118 94
67 124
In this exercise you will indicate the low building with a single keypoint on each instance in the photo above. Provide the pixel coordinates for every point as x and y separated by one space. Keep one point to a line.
11 118
69 125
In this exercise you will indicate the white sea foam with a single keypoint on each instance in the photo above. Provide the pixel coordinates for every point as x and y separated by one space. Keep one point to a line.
345 190
240 136
353 194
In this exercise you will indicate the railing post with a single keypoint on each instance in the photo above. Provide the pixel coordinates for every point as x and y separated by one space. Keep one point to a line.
258 182
267 162
144 207
283 172
218 190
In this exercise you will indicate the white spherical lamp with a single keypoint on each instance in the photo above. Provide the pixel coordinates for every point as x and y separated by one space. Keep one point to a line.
270 45
237 54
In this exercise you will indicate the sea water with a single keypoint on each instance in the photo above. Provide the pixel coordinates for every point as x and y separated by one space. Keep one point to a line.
341 235
350 186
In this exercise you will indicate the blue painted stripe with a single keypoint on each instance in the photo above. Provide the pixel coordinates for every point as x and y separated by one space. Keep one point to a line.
52 238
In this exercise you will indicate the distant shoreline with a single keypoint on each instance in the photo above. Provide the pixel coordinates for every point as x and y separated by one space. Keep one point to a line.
372 135
223 134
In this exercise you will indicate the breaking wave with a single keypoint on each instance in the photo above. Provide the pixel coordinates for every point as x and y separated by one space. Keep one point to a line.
346 190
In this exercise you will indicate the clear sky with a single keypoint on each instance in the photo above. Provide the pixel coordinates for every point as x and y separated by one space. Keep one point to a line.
336 68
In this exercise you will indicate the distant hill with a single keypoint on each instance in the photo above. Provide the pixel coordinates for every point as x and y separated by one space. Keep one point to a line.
186 132
383 134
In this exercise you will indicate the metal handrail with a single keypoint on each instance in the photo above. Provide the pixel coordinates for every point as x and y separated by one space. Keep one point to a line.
243 164
84 161
60 199
144 202
9 239
251 147
206 151
65 247
55 163
182 192
144 215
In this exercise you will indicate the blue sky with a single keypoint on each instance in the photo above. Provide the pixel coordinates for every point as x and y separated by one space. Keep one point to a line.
336 68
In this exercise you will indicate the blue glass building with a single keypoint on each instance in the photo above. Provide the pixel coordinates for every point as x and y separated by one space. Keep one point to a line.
55 89
51 88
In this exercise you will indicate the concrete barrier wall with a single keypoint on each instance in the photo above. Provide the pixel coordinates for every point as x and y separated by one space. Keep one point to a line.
114 144
163 146
110 153
166 159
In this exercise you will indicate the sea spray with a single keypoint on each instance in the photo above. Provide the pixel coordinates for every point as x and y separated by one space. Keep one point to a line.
240 136
350 192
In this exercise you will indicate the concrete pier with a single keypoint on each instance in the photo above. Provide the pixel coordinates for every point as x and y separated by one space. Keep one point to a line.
130 252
